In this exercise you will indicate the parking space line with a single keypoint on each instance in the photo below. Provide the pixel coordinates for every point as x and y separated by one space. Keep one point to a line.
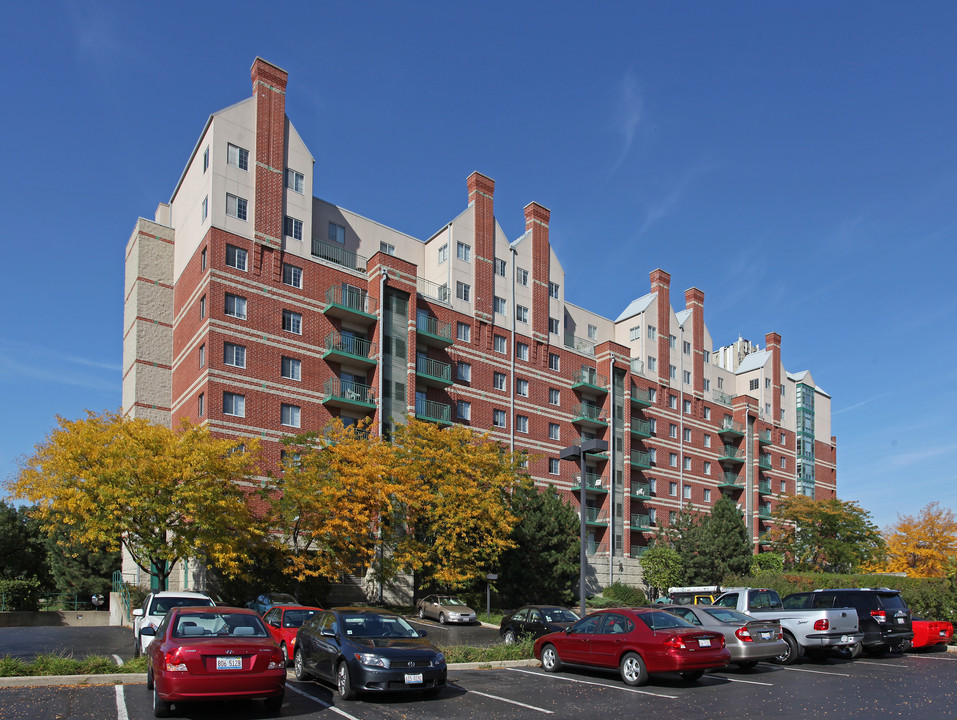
731 679
930 657
321 702
588 682
119 660
884 665
816 672
121 713
513 702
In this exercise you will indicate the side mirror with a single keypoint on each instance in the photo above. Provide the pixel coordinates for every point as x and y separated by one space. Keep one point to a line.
148 631
567 630
138 612
422 633
327 632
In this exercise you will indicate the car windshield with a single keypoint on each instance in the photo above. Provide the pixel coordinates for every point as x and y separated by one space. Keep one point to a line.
446 600
660 620
162 605
732 617
892 601
219 624
281 599
370 625
557 615
295 618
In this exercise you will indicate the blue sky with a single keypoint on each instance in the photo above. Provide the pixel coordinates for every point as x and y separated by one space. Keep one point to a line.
795 161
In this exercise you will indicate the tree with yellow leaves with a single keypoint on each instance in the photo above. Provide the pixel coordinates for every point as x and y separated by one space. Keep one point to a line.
162 494
922 546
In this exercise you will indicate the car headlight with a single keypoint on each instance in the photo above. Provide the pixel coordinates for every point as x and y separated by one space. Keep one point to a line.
372 659
439 659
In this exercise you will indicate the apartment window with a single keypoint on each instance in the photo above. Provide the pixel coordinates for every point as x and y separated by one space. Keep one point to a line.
754 384
463 332
234 404
653 486
463 252
236 206
464 371
673 489
652 515
554 361
443 253
291 368
292 275
554 431
553 465
292 228
767 409
295 181
782 391
652 425
386 248
206 159
634 333
292 322
235 306
498 381
201 404
686 347
687 434
686 492
707 384
498 344
720 383
784 486
521 313
653 455
553 325
521 424
672 341
234 355
592 332
707 441
767 383
672 517
500 267
202 307
289 415
686 407
673 402
687 462
783 439
521 351
652 363
707 470
652 331
236 257
499 305
202 356
707 493
672 430
463 410
463 291
521 387
707 413
237 156
652 395
553 290
784 463
337 233
672 372
498 418
673 459
521 276
202 259
554 396
687 377
205 208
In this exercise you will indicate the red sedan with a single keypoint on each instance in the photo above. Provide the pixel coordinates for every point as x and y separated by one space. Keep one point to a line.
636 642
284 622
202 653
931 632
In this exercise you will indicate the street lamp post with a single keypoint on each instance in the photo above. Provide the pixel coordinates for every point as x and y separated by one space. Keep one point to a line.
579 452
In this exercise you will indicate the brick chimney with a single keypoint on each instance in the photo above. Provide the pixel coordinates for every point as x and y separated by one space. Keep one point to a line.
694 301
773 342
536 222
481 192
269 89
660 283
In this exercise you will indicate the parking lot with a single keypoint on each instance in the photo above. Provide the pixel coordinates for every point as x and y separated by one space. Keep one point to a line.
913 685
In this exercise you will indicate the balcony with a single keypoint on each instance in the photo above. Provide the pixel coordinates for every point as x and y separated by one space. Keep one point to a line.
639 550
764 512
730 480
348 348
434 332
640 491
731 428
640 522
640 397
731 454
433 291
594 482
589 415
764 437
764 461
640 428
586 347
347 394
764 487
432 411
595 516
640 459
588 379
433 373
350 303
721 397
338 255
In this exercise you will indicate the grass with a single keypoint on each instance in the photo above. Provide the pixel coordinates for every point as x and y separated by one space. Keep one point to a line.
493 653
57 664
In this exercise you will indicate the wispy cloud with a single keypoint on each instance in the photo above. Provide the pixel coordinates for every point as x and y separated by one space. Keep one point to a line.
95 30
909 458
860 404
20 360
665 203
629 113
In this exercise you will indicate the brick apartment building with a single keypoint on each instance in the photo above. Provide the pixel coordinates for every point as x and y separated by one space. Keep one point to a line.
263 311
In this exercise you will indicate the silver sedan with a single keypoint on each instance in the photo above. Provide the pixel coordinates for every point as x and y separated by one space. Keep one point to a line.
748 640
445 609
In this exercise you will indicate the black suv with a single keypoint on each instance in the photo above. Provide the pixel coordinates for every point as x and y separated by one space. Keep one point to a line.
882 614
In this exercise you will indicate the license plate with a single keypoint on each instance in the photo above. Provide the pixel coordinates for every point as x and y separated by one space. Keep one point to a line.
413 679
229 663
900 621
765 636
845 639
704 642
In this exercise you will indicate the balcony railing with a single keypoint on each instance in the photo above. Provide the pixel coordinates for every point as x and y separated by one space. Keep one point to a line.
640 458
641 491
731 454
436 329
764 512
595 516
434 411
764 462
764 437
593 482
639 550
641 428
640 522
764 487
589 377
588 412
721 397
582 345
637 367
436 369
640 397
351 346
351 392
729 480
731 427
433 291
350 298
338 255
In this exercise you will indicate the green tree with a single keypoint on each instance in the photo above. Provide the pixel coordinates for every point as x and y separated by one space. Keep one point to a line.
76 568
834 536
662 568
711 545
22 545
686 537
543 565
767 563
162 494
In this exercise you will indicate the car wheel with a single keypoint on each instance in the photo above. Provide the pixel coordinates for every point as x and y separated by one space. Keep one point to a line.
161 708
510 637
421 614
442 618
301 673
344 683
748 664
274 704
633 670
876 650
285 654
149 679
856 650
137 641
692 675
550 660
790 655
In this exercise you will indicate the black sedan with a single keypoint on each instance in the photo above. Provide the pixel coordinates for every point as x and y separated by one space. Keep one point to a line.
534 621
367 650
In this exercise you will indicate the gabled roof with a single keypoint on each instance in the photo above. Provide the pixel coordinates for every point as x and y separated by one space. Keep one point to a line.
754 361
682 316
805 377
637 306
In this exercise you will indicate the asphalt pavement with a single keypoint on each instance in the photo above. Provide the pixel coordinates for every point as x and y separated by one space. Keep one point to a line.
26 643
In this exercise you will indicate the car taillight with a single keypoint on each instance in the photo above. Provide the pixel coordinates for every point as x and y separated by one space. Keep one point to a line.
174 661
721 642
823 624
675 641
879 615
743 634
276 660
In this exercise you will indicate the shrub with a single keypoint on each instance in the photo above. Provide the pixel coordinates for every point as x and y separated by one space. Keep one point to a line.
625 595
20 594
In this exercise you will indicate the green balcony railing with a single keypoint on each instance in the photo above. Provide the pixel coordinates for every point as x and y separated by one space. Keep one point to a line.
581 345
349 345
764 512
350 391
729 480
641 428
640 397
594 516
764 461
764 437
640 522
350 298
731 427
641 491
338 255
721 397
436 329
433 291
436 369
640 458
589 377
730 453
588 412
764 487
594 482
434 411
639 550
